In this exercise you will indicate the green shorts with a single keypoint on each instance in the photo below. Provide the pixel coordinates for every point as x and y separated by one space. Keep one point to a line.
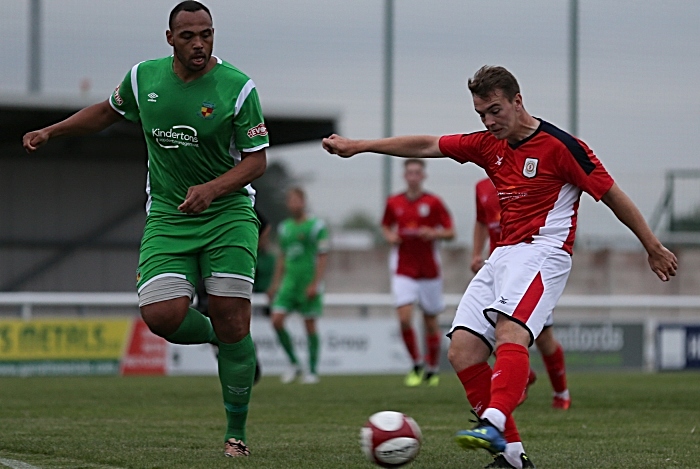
193 247
291 298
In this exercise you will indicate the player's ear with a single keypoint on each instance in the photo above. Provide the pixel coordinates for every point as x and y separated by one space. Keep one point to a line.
518 102
169 37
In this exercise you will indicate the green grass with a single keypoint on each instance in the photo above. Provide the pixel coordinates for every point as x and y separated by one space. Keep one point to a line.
622 420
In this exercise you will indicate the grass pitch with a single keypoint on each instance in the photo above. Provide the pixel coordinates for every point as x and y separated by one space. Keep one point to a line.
623 420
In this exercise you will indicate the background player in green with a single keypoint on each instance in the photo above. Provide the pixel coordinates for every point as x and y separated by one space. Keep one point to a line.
206 142
297 286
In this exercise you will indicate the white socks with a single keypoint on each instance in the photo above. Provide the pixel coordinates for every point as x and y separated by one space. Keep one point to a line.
496 417
512 454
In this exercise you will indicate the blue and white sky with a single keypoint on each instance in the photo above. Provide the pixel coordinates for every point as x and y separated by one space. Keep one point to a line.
639 76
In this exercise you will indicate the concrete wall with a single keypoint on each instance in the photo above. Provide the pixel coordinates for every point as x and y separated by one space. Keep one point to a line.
594 272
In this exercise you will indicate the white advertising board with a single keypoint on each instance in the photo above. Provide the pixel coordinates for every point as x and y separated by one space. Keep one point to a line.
348 346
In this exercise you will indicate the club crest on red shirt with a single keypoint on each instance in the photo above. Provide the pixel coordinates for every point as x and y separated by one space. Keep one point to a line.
530 167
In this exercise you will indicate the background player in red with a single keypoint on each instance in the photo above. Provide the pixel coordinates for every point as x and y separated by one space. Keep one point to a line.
488 227
540 172
412 222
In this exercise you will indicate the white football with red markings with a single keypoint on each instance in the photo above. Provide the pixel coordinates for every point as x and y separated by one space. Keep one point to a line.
390 439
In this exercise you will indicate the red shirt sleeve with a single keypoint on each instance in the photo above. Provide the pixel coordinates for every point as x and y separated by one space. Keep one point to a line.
464 148
590 175
443 214
388 219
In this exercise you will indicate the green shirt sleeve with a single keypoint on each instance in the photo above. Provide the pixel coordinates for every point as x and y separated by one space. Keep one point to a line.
123 100
322 240
249 129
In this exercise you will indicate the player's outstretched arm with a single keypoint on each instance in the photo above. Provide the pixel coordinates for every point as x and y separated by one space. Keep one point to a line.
411 146
90 120
662 261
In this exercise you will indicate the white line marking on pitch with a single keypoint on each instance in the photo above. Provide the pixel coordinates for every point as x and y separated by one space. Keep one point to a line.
16 464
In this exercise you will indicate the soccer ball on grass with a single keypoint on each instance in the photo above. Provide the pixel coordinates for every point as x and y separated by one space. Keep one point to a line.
390 439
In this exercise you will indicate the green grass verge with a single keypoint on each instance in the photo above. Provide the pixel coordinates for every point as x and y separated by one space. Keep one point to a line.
618 420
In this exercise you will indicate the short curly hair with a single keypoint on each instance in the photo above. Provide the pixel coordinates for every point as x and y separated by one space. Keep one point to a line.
489 78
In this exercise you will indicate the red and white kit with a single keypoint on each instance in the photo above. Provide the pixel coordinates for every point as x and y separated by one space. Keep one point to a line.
488 210
415 263
539 182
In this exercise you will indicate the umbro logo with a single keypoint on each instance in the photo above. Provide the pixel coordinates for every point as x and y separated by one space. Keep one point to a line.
503 300
152 97
238 391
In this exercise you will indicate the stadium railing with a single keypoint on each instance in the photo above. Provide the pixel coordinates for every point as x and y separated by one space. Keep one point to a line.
649 310
26 301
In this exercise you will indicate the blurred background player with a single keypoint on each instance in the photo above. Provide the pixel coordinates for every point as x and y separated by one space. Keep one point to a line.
265 267
412 222
298 281
488 226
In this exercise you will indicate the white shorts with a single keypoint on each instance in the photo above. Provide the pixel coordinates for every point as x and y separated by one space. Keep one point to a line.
523 282
426 292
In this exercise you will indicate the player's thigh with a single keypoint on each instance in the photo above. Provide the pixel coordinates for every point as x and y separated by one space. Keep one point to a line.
546 342
530 279
469 316
286 299
311 308
230 251
405 290
169 257
430 296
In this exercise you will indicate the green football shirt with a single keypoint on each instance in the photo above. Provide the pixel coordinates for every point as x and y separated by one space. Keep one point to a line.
194 131
301 243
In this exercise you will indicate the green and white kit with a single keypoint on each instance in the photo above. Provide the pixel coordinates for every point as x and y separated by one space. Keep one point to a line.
195 132
301 243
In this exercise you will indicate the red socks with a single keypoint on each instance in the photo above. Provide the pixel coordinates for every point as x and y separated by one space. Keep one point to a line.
476 381
510 373
556 369
409 338
477 384
432 357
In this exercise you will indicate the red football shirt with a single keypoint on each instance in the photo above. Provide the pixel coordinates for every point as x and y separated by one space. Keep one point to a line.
414 257
539 181
488 210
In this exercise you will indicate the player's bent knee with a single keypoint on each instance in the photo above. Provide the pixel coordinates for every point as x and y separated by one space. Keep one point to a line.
278 320
164 302
164 317
466 349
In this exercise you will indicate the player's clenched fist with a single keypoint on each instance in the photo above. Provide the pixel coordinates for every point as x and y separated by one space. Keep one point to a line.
33 140
341 146
197 200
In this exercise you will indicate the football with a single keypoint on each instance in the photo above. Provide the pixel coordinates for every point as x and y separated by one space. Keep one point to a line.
390 439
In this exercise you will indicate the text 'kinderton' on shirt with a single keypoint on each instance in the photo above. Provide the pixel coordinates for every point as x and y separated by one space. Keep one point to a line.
194 131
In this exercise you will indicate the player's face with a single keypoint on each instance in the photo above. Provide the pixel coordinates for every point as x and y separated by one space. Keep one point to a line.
414 176
192 38
295 204
498 114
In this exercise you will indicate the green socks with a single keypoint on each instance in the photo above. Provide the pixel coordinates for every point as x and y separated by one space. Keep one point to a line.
196 328
236 373
287 345
313 352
